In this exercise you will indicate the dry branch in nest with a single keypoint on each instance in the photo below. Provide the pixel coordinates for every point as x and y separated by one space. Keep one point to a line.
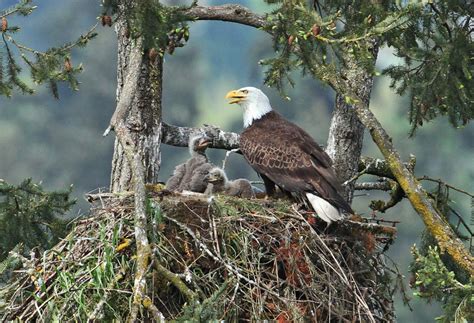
213 258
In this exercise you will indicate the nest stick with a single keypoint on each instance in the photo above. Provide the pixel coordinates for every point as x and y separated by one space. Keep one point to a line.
216 258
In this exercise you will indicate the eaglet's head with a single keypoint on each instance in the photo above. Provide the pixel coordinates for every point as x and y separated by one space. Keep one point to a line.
254 102
199 143
216 175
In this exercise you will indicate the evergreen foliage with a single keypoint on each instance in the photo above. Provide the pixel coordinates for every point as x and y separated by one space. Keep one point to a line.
162 28
315 36
445 204
435 282
49 67
29 215
434 39
437 48
10 264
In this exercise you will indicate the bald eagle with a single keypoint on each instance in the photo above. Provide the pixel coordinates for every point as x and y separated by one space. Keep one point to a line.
285 155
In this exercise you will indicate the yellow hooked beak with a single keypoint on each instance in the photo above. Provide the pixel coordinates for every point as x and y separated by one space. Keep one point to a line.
236 96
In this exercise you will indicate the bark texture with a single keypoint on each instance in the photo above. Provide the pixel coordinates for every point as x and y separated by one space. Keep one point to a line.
227 12
346 133
142 117
179 136
137 124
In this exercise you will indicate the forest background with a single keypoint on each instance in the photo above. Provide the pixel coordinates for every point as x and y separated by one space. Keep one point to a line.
59 142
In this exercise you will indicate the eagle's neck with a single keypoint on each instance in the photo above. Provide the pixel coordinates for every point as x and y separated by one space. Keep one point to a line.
255 110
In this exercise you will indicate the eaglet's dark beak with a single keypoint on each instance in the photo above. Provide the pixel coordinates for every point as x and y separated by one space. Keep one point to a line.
204 143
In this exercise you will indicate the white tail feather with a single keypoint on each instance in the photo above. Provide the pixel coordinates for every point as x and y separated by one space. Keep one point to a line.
325 210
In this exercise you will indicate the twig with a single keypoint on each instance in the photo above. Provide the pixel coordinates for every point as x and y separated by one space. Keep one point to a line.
439 181
14 10
401 284
227 154
216 258
23 48
99 196
359 174
340 271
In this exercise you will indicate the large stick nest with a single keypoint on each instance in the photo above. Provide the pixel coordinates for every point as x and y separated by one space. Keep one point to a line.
225 258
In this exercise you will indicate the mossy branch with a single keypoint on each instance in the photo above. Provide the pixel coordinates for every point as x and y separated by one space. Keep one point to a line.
432 218
176 281
153 310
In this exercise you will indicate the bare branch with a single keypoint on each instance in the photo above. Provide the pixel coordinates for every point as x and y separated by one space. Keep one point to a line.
179 136
228 12
359 174
426 178
370 227
396 195
380 167
373 186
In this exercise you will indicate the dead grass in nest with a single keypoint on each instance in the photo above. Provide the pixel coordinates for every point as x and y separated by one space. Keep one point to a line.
228 259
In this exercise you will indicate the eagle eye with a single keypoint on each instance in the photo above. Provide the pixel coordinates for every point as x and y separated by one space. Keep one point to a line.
245 91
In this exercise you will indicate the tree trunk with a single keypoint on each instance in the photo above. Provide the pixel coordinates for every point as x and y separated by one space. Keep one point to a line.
143 117
346 133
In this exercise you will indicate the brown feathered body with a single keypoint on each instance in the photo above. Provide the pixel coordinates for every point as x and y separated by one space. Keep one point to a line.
286 156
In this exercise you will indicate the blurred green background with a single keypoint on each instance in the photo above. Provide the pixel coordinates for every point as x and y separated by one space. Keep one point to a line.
59 142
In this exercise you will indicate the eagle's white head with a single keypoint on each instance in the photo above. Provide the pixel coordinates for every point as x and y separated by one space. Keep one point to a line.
254 102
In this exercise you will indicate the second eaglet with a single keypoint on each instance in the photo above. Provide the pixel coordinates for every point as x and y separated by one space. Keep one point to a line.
218 183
